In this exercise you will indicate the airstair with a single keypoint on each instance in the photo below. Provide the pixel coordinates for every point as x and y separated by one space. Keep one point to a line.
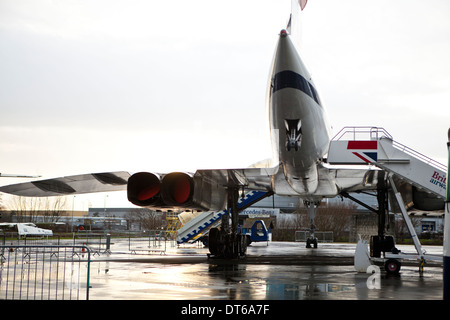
201 223
374 146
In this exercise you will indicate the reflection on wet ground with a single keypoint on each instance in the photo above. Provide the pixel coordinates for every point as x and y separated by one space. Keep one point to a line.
280 271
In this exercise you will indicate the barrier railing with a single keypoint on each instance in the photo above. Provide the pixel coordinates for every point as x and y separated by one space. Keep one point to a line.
361 133
44 272
322 236
152 241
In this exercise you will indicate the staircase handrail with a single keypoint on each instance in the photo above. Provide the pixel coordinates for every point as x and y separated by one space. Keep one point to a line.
374 132
378 133
417 155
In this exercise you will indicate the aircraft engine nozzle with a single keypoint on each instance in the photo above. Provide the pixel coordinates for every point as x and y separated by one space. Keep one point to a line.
144 189
177 189
173 190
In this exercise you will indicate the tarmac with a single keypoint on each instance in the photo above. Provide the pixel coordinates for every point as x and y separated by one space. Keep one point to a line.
270 271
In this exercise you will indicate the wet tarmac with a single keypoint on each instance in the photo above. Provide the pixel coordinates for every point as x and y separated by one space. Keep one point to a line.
274 271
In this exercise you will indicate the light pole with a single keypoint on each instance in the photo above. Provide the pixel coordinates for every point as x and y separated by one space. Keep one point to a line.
73 204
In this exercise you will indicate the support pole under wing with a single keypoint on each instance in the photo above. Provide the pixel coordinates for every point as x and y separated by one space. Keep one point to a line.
411 229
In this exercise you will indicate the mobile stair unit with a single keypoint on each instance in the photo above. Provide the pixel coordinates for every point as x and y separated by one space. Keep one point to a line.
374 146
201 224
381 150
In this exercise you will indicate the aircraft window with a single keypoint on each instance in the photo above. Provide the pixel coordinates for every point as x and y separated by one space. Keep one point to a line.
314 93
290 79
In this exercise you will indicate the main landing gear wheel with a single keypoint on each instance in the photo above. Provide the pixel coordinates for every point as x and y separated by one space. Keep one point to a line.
392 266
311 208
311 241
227 245
214 241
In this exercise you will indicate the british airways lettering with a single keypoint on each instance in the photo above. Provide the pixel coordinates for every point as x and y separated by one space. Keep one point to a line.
439 180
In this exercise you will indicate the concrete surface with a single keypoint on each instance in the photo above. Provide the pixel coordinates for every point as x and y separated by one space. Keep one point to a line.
277 271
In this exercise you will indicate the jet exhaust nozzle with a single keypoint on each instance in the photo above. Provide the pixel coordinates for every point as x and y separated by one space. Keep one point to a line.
147 189
144 189
177 189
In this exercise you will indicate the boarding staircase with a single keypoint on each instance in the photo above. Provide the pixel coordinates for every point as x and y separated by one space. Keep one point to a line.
204 221
173 224
378 148
374 146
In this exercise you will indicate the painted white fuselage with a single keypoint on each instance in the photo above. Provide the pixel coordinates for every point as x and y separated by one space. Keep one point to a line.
300 132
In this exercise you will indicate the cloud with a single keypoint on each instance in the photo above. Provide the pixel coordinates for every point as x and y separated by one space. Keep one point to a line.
124 85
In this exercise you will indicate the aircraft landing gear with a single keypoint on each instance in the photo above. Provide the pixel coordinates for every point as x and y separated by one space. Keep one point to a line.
226 245
311 208
311 242
381 243
226 242
293 134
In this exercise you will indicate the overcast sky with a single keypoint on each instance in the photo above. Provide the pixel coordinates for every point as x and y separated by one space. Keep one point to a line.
104 85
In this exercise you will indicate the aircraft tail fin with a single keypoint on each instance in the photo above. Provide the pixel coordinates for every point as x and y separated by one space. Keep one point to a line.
294 24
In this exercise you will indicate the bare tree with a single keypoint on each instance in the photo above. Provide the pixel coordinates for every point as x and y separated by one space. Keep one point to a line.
23 208
335 216
4 216
2 206
148 220
26 209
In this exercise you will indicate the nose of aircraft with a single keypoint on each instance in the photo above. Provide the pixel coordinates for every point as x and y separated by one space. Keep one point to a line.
288 58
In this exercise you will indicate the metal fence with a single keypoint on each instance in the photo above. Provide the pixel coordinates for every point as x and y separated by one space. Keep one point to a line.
58 267
322 236
97 242
153 241
41 272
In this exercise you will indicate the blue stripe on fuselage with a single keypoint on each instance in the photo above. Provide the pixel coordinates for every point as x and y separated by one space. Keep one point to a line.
291 79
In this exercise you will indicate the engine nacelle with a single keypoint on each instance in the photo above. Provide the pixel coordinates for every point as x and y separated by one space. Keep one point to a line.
414 198
175 190
426 201
144 189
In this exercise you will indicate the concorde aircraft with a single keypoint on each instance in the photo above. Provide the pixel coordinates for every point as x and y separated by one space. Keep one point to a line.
300 136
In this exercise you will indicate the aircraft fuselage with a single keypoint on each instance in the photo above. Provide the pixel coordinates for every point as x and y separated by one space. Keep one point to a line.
299 129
